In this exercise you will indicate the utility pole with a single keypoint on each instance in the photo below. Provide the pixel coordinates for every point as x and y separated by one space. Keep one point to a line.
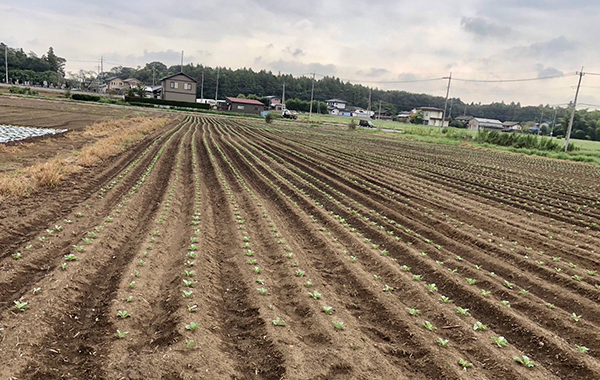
369 107
202 86
217 90
182 61
553 122
101 64
6 61
540 124
312 92
568 135
446 102
379 116
283 98
153 75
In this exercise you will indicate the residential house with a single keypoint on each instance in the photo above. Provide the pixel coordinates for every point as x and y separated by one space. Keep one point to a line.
513 126
244 105
336 103
403 116
179 87
481 124
361 113
114 84
463 119
131 83
275 102
153 91
433 116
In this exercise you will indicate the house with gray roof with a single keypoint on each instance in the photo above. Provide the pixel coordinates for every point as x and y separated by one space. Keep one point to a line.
481 124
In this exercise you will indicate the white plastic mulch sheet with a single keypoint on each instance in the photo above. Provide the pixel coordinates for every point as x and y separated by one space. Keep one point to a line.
12 133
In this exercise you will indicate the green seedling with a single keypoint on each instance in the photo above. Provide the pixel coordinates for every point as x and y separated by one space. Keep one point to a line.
141 263
443 342
339 325
279 322
492 274
413 311
405 268
132 284
252 261
439 262
189 344
432 287
192 308
577 278
262 291
558 270
188 293
189 264
445 299
68 221
455 270
465 364
509 285
79 215
377 277
387 288
70 257
121 334
417 277
464 312
123 314
573 265
193 239
289 255
591 272
458 258
471 281
523 291
188 283
129 299
479 326
328 310
108 219
193 247
36 290
550 305
505 303
189 273
575 317
524 361
63 266
582 349
353 258
86 240
485 292
500 341
20 306
299 273
429 326
17 256
260 281
58 228
29 247
79 248
478 267
308 284
315 295
192 326
42 238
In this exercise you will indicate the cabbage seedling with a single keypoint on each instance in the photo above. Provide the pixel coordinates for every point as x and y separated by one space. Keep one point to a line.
132 284
121 334
189 344
328 310
505 303
471 281
189 283
339 325
575 317
465 364
262 291
413 311
17 255
432 287
20 306
405 268
462 311
260 281
443 342
192 326
582 349
192 308
525 361
479 326
70 257
188 294
417 277
79 248
500 341
252 261
308 284
429 326
279 322
315 295
123 314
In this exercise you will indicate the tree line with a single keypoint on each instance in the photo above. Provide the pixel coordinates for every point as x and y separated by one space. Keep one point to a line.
263 83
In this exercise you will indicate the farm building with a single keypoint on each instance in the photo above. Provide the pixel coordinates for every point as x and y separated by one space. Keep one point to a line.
244 105
481 124
513 125
432 116
179 87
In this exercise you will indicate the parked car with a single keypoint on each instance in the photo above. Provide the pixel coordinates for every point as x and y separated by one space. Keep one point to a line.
366 123
287 114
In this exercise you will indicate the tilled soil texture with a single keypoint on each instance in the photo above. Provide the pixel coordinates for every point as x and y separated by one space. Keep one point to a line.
229 249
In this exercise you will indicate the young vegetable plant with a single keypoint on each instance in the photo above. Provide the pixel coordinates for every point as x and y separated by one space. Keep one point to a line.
464 312
189 344
188 294
429 326
339 325
121 334
413 311
479 326
328 310
70 257
123 314
471 281
279 322
524 361
443 342
17 255
192 326
582 349
20 306
575 317
315 295
262 291
387 288
445 299
500 341
465 364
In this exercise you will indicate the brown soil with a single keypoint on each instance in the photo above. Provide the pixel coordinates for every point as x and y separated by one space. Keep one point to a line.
231 207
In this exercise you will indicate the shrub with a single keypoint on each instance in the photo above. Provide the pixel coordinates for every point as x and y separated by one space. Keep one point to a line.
269 118
86 97
352 125
22 90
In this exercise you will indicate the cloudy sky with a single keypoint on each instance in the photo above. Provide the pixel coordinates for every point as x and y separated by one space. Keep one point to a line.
375 42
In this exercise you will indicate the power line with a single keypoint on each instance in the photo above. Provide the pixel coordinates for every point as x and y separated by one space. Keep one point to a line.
513 80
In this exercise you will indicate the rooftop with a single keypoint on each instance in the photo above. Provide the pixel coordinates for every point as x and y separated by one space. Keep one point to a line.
245 101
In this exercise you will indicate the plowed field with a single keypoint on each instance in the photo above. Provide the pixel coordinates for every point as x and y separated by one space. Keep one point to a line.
231 249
